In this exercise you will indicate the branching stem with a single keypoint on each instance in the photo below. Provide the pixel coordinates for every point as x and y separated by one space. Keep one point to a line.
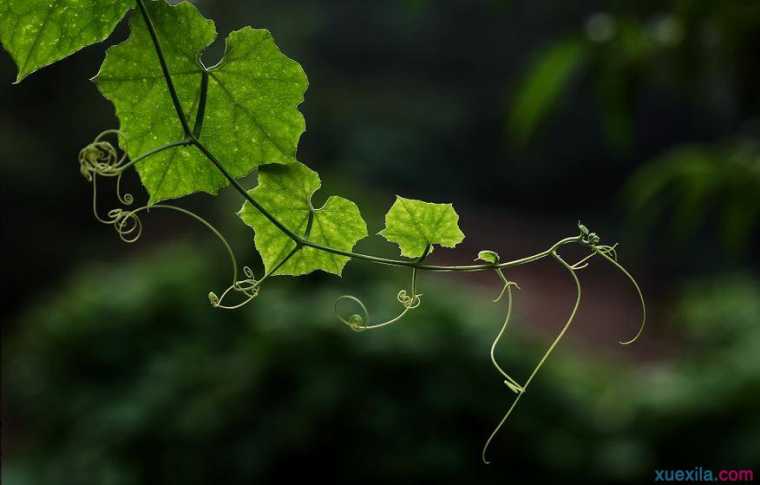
192 139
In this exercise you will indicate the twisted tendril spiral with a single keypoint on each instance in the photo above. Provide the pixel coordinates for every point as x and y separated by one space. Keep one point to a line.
127 224
101 158
248 287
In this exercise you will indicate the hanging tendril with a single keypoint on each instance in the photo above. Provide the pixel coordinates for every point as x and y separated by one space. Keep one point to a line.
511 383
543 359
614 262
610 254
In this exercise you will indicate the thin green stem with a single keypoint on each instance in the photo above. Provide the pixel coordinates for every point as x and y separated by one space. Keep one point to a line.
301 241
569 321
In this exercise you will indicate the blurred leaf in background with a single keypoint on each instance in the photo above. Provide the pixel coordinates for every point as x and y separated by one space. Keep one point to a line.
544 83
701 183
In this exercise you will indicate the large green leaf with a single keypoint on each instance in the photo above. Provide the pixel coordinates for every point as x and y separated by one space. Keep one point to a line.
415 225
286 192
38 33
252 115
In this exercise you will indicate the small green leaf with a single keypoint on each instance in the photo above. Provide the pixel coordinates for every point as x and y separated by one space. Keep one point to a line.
286 193
488 256
251 116
38 33
415 225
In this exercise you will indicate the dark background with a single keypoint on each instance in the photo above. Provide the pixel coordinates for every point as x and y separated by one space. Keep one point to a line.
640 118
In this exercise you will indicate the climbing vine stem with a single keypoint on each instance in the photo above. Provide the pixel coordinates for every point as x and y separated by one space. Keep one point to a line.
101 159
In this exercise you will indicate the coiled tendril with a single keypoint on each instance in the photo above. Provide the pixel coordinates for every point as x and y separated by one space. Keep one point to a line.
101 158
248 287
359 322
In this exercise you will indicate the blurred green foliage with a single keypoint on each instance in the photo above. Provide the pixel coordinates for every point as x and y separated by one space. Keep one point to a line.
128 376
702 49
701 183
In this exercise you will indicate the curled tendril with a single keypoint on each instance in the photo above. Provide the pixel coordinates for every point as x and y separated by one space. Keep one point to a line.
127 224
359 322
355 321
101 158
248 287
409 302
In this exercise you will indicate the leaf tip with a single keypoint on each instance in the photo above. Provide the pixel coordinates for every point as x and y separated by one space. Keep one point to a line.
20 77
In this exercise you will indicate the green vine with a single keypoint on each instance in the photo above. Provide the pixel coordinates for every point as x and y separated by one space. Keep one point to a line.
292 236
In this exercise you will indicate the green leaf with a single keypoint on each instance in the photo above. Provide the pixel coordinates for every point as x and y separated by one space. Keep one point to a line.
488 256
38 33
548 76
251 116
415 225
286 192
